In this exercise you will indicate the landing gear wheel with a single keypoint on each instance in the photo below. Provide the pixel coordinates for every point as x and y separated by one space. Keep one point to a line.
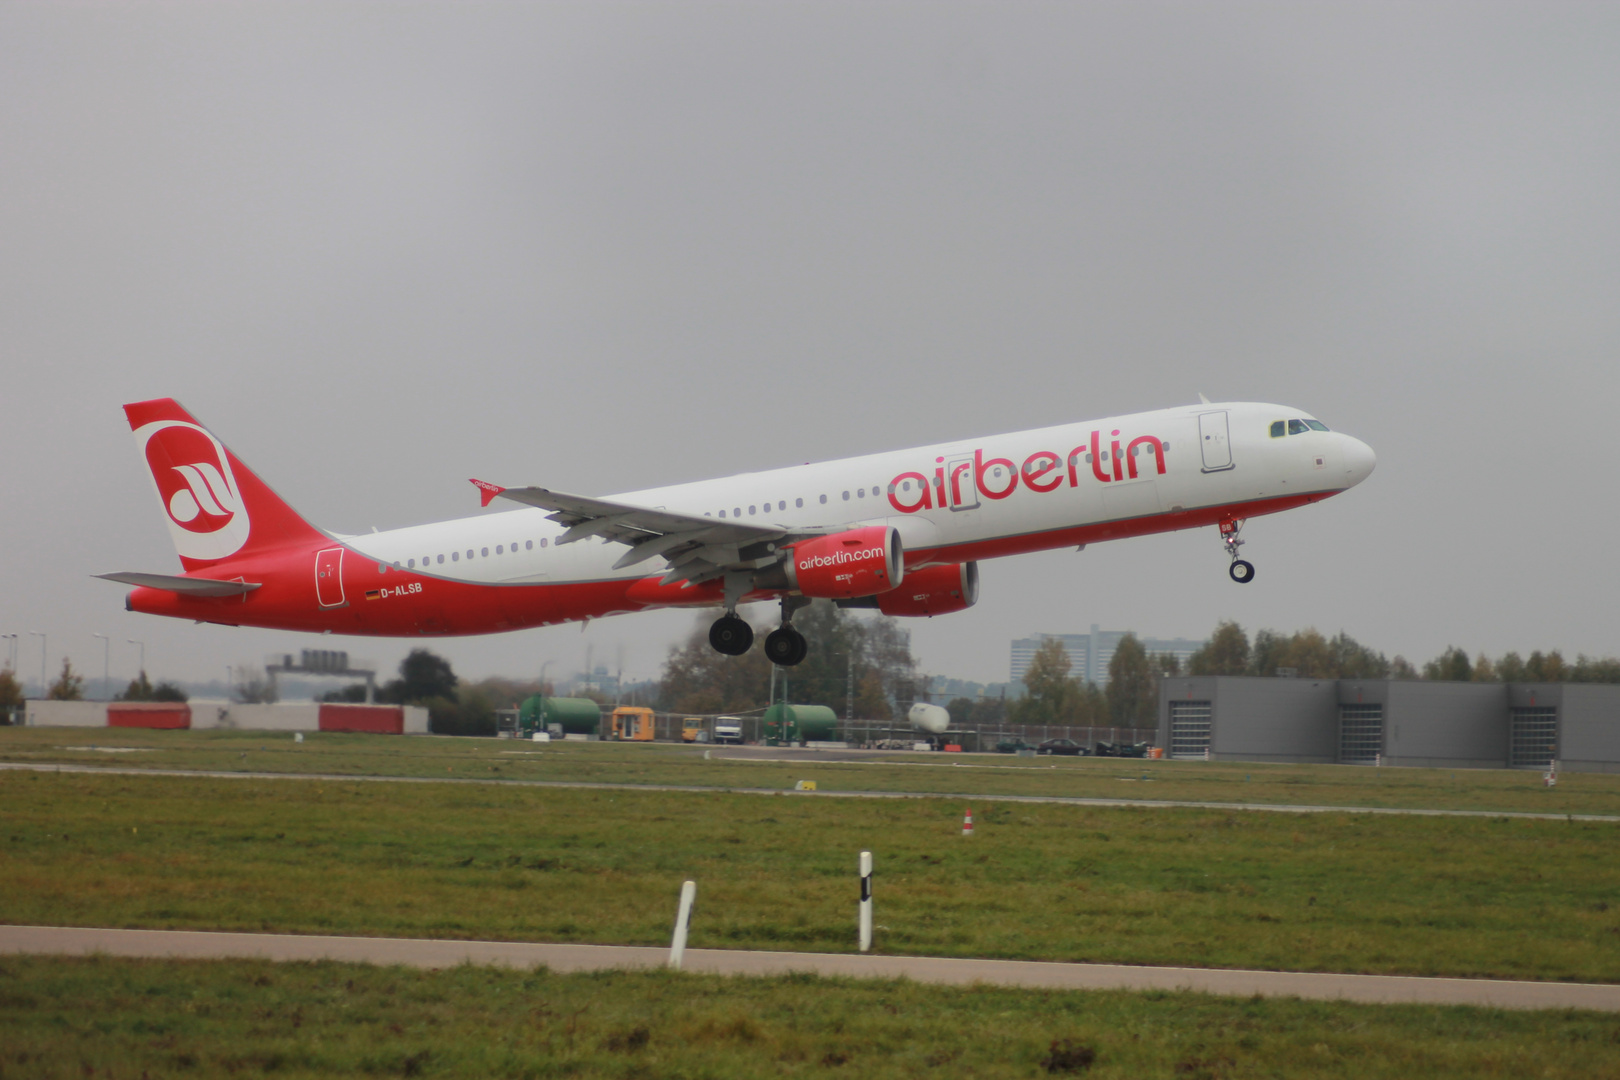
731 635
1242 571
786 647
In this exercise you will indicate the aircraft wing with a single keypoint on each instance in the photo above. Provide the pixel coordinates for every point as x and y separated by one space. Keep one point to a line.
695 549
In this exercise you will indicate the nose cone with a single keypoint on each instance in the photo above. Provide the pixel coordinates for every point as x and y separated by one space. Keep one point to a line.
1359 460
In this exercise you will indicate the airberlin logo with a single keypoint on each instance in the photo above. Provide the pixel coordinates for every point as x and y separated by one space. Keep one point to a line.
840 558
959 481
207 518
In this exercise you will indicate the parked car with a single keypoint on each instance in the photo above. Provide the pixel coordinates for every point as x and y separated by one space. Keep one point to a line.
1108 749
1011 745
1061 746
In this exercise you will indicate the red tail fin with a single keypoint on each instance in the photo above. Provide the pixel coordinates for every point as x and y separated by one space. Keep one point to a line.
216 507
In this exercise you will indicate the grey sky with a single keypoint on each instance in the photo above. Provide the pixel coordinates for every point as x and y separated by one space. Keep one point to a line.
381 248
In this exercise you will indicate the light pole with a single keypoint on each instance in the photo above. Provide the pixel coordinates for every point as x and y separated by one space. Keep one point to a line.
106 666
540 721
44 647
142 646
11 652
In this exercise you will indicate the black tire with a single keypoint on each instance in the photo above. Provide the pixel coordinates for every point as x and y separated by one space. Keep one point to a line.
731 636
786 647
1242 571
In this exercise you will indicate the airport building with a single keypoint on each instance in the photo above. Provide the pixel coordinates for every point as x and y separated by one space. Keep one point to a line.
1089 653
1458 725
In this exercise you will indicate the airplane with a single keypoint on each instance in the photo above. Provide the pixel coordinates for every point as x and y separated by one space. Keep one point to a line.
902 531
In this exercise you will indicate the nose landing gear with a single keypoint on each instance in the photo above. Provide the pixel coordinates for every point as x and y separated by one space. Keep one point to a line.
1241 570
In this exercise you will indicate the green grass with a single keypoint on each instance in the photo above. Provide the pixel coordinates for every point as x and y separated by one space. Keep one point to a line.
1494 790
122 1018
1219 888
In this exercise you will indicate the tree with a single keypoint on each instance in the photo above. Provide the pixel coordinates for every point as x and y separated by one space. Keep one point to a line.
422 675
1589 669
1401 668
11 695
1165 663
1053 697
1225 653
1450 666
1548 668
1133 692
69 686
1510 668
1353 660
699 680
139 689
1484 670
254 687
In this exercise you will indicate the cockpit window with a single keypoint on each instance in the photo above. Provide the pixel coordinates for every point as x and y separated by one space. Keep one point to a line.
1316 425
1277 429
1296 427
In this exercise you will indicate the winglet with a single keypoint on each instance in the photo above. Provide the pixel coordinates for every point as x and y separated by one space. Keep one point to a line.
1201 398
486 490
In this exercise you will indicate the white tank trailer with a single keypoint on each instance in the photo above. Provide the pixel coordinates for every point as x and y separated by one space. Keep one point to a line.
930 718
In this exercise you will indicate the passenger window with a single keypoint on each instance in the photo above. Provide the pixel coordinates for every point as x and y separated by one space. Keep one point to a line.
441 560
846 496
528 545
824 500
860 493
455 556
722 513
469 553
1297 427
736 511
482 551
1279 428
1316 425
411 564
543 541
751 511
499 549
799 503
781 504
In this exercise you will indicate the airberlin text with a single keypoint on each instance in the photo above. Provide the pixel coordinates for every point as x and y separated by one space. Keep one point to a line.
839 558
1041 472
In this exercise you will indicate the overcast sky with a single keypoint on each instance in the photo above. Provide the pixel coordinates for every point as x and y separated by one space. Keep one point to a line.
380 248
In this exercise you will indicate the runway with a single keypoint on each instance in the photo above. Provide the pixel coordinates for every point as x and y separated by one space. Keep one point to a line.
1059 800
1376 989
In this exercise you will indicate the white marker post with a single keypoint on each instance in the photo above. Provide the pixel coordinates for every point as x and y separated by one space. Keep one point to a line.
683 918
866 901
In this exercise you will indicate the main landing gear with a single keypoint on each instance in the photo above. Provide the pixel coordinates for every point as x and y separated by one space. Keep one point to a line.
731 635
784 646
1241 570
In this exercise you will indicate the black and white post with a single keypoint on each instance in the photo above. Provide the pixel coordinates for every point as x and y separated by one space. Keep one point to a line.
866 901
683 919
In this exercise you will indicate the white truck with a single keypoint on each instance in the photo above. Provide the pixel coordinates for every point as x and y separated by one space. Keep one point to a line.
728 729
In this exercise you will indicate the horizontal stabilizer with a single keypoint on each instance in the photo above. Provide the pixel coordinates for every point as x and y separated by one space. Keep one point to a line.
186 586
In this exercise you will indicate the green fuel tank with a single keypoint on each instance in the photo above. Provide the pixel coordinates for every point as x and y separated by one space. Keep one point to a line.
792 723
578 716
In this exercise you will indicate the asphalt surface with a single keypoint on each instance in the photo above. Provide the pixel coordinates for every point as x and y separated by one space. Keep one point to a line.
1377 989
721 789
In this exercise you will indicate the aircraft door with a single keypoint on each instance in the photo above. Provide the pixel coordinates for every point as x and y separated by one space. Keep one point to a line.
961 489
1212 438
329 577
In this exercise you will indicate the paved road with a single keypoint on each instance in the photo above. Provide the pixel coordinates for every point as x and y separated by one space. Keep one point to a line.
1381 989
718 789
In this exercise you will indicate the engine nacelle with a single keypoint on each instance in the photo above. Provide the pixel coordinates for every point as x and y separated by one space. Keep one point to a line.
860 562
934 590
929 718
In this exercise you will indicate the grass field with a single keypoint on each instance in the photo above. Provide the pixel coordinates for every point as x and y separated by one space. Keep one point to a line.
1325 892
120 1018
1496 790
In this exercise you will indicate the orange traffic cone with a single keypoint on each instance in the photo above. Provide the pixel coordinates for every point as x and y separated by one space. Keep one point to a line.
967 822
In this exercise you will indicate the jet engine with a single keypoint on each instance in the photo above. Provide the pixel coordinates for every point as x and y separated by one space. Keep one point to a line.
929 718
860 562
933 590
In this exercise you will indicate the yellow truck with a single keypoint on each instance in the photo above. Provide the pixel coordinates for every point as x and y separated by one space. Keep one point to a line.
694 729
